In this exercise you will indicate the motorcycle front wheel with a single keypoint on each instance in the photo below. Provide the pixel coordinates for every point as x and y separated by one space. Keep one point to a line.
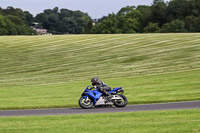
121 103
85 103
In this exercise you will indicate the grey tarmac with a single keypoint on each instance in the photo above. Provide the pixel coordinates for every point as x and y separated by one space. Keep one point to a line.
129 108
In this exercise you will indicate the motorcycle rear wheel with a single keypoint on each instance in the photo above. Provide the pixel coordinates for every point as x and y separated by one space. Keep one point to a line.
85 104
119 103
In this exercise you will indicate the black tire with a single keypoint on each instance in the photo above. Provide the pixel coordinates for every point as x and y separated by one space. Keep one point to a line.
85 104
121 103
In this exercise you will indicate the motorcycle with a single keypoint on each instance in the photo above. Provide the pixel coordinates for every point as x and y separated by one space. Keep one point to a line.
92 97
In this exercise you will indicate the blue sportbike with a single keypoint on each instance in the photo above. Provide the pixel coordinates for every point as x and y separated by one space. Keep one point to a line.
92 97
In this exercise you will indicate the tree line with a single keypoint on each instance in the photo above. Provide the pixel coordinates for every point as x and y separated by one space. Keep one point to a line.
15 22
64 21
160 17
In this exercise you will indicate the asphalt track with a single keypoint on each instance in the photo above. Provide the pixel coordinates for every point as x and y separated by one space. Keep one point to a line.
130 108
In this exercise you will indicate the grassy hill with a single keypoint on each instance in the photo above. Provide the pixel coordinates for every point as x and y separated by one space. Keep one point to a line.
52 71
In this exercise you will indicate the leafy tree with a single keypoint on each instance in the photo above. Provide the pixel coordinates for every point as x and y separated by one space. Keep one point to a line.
152 28
192 23
129 20
1 10
19 26
13 22
64 21
16 12
3 30
125 10
177 9
158 11
28 18
175 26
195 8
145 16
11 27
107 25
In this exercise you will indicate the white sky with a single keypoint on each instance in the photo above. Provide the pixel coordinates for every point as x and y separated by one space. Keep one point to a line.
95 8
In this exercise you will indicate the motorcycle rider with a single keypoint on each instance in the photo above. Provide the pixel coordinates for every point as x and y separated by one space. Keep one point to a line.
102 87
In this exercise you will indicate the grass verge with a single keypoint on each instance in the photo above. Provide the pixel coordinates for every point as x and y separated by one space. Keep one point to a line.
177 121
139 90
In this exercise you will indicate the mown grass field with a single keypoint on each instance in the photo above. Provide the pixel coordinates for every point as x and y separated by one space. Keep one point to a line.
52 71
176 121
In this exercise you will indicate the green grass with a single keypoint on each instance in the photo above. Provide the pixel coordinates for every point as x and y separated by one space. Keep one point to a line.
175 121
52 71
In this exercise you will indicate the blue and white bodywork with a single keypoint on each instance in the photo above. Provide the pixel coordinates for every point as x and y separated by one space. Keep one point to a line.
93 97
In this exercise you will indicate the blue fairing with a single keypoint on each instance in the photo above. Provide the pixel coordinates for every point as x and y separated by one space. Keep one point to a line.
94 95
115 89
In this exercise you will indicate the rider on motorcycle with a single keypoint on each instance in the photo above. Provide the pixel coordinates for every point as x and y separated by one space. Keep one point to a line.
102 87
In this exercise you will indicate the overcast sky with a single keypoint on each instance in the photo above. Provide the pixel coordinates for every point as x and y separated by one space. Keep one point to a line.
95 8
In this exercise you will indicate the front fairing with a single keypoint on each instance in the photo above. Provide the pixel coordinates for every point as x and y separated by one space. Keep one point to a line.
94 95
86 91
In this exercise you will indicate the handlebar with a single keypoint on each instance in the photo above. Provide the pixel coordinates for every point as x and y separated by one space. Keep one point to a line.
91 87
